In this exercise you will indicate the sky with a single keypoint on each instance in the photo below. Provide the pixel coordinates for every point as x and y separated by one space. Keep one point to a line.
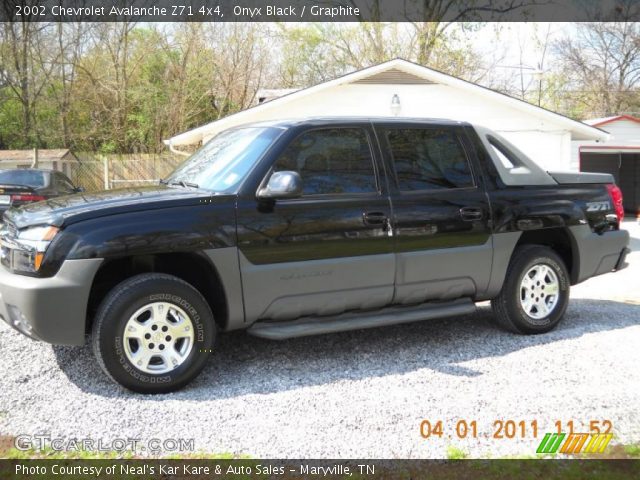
520 43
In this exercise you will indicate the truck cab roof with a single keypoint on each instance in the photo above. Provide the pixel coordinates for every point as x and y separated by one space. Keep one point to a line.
324 121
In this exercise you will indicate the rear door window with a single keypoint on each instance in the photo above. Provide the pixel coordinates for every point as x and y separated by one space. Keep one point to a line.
331 161
428 159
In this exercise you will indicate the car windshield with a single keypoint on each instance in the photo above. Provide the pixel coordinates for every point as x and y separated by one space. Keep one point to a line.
30 178
223 162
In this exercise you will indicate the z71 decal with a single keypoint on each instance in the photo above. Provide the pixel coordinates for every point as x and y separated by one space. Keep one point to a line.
598 206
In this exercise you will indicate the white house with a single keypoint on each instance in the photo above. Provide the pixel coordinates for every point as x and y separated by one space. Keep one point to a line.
406 89
619 156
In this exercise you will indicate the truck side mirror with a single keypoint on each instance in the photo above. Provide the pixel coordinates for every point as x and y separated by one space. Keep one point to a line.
284 184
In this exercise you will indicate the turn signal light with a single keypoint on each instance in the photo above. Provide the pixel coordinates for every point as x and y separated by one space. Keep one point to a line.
37 261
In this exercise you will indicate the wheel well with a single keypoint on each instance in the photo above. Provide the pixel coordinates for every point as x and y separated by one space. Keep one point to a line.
558 240
193 268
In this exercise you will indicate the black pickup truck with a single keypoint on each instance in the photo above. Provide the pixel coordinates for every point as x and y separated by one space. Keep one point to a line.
305 227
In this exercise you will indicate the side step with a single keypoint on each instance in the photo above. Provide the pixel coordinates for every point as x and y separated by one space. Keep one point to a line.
354 321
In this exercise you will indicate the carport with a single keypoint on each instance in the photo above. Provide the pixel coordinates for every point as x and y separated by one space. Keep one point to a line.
624 165
619 156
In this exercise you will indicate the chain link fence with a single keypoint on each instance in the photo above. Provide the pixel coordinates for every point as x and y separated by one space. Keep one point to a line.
97 172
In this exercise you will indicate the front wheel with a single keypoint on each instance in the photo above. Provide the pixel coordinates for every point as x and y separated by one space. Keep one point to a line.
535 292
153 333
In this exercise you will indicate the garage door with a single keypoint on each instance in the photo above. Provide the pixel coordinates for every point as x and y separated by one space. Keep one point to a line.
630 181
624 167
602 163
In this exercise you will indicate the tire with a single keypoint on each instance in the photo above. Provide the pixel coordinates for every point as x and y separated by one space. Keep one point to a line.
526 306
133 328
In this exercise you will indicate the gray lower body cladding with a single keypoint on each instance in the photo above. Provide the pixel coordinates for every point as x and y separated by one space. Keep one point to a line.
598 253
442 274
329 287
594 254
225 262
285 291
51 309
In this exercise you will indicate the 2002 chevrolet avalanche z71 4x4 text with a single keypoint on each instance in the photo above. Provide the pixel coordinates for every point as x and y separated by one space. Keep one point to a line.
302 227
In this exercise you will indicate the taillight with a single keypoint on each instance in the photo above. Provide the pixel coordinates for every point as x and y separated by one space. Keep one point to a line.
616 197
26 198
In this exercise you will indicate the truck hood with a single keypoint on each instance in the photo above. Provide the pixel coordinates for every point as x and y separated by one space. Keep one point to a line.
70 209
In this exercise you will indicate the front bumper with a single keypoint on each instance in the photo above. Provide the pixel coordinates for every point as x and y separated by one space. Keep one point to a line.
50 309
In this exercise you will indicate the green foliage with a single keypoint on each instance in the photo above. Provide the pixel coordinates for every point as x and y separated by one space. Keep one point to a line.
632 450
455 453
10 121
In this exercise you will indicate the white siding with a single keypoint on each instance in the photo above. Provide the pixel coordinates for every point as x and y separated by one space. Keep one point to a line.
550 150
544 142
625 131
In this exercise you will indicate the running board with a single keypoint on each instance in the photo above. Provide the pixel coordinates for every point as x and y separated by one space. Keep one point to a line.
354 321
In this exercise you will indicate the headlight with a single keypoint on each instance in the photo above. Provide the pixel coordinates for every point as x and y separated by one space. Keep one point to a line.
27 249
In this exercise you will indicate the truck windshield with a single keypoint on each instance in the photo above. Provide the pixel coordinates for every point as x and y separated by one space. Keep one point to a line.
223 162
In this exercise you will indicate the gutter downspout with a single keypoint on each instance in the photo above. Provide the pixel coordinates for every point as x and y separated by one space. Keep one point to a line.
34 163
172 149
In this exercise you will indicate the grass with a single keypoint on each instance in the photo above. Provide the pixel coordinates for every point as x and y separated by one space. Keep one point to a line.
455 453
633 451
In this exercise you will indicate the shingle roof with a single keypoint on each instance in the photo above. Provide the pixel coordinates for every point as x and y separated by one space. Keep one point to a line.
597 122
27 155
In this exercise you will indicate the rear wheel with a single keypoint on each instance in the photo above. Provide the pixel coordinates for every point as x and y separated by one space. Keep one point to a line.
153 333
535 292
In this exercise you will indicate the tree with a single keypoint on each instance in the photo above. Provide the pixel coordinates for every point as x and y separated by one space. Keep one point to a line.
188 80
68 47
602 63
236 74
25 71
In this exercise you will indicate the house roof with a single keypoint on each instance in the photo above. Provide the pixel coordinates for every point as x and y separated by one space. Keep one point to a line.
44 155
268 94
389 70
598 122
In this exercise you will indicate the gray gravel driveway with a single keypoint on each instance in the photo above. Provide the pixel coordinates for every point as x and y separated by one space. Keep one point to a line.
359 394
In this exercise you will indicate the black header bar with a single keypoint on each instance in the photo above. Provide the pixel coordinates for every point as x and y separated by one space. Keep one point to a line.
317 469
318 10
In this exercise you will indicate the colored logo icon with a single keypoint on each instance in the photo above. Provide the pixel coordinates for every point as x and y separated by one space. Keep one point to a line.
574 443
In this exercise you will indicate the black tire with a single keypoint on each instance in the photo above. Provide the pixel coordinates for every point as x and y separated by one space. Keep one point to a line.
507 306
122 303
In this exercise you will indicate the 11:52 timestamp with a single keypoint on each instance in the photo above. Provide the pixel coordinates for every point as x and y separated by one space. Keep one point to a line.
508 429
